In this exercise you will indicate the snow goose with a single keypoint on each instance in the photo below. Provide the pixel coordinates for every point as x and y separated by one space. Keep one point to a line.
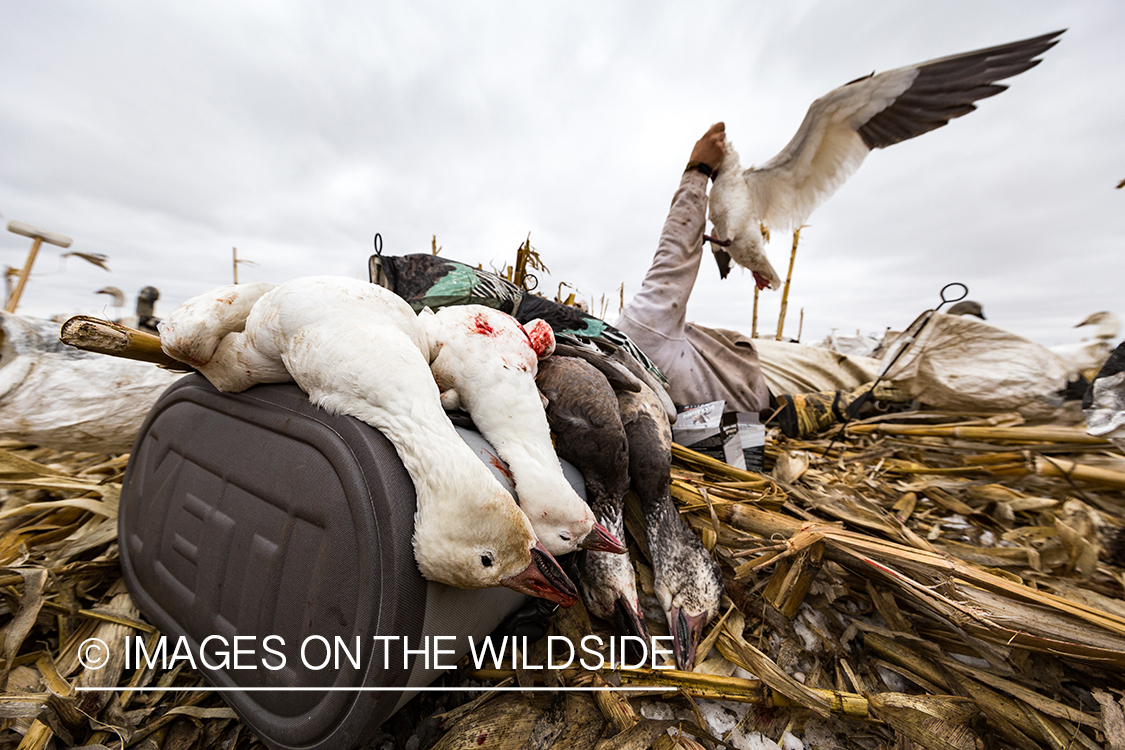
485 362
357 349
583 413
1089 355
838 131
117 295
688 582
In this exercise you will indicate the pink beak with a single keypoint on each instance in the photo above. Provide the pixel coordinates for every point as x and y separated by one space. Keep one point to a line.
600 540
544 578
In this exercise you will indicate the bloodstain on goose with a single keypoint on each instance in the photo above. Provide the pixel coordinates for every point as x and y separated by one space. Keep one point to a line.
541 337
501 467
481 326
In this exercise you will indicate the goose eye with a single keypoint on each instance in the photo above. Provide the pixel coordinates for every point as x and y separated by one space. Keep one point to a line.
564 536
486 561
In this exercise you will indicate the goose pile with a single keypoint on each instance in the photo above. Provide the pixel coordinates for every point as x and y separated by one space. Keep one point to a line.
592 432
357 349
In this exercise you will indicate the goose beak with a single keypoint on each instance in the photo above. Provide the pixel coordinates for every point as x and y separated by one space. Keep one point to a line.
630 621
686 631
600 540
544 578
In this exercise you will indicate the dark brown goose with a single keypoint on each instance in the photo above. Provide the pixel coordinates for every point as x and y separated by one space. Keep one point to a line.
583 413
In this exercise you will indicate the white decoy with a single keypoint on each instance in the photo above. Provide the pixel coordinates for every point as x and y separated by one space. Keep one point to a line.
688 582
117 295
357 349
118 303
1088 355
838 132
1104 325
485 362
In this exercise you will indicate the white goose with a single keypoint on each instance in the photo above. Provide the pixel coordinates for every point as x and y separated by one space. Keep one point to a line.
358 349
838 132
485 362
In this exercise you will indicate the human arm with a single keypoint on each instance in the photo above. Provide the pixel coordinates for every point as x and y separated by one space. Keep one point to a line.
660 306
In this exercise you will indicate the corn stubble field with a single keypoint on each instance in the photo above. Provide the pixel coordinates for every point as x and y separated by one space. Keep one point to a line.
937 581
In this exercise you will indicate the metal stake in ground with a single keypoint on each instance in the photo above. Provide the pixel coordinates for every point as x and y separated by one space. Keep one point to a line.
38 236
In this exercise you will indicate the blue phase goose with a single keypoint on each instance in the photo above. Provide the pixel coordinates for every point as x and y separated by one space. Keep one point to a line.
688 582
583 413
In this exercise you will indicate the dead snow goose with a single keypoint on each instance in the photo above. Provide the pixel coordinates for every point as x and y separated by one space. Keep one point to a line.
583 413
357 349
485 362
688 582
838 131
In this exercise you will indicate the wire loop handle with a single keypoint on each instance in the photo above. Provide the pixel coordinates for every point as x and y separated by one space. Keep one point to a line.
902 345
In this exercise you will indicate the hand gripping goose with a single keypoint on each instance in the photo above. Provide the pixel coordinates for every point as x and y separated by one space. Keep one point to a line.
838 132
358 349
485 362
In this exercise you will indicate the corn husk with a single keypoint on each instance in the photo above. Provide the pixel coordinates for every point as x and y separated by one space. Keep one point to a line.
944 581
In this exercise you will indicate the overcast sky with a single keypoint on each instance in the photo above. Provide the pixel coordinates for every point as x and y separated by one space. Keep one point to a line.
164 134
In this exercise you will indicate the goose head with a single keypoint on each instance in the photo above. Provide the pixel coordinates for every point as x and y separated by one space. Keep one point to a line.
112 291
609 588
1105 325
689 591
497 547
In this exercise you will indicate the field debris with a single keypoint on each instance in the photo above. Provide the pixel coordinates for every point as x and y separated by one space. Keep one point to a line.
935 581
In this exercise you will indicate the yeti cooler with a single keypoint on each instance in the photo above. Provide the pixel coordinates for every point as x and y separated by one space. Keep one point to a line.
277 537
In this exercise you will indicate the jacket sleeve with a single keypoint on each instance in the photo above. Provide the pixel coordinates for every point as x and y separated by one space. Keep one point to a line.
661 304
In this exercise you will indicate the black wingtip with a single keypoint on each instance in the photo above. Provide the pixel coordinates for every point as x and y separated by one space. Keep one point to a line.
722 260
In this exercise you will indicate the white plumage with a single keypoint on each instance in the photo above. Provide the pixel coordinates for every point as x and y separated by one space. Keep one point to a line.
838 132
485 362
357 349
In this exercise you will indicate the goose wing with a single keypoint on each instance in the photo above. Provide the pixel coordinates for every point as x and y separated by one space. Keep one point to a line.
875 111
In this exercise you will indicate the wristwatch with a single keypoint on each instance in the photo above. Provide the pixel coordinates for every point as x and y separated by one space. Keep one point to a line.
699 166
